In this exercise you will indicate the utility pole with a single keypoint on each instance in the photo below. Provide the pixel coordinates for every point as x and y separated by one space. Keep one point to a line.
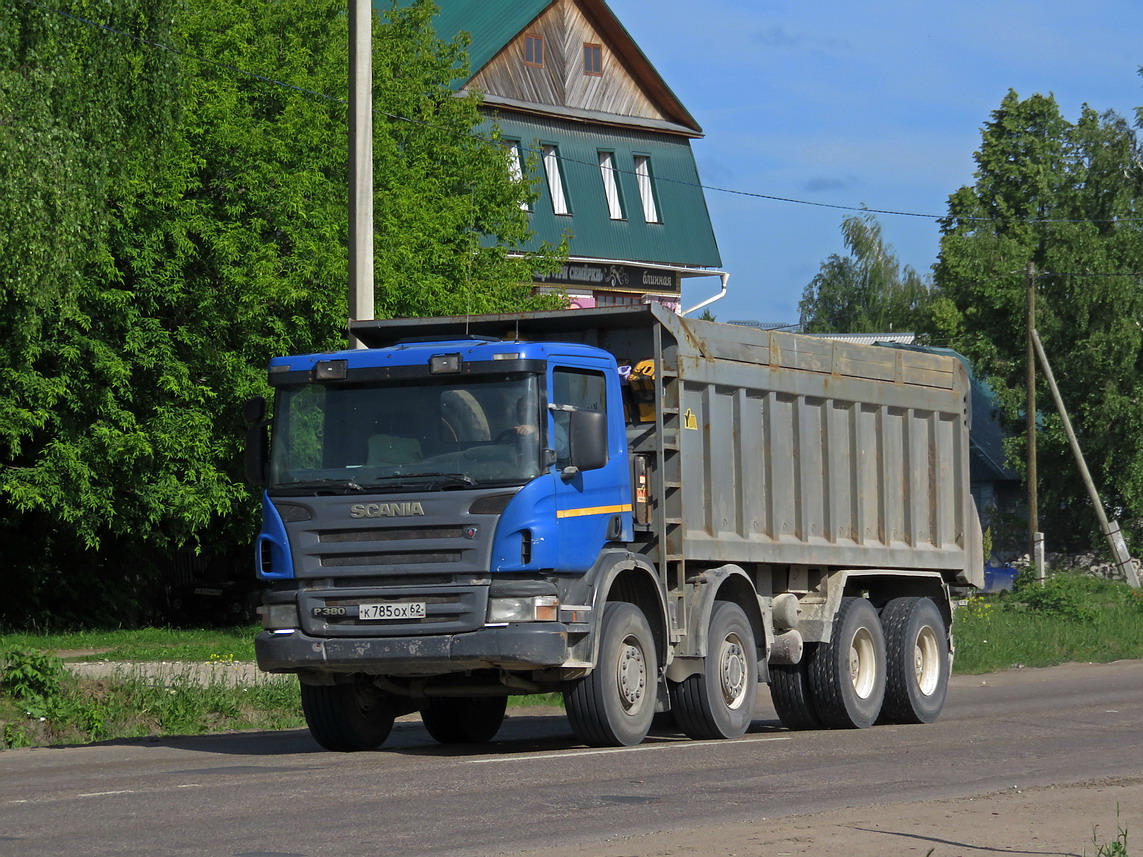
360 163
1110 529
1030 409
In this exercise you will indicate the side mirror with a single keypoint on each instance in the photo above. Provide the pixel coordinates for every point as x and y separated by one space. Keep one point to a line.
254 411
257 442
588 439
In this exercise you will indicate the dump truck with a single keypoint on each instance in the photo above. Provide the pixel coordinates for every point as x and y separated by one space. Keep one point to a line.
642 512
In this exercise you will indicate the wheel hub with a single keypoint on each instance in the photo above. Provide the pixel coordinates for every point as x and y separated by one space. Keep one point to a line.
733 672
631 673
862 663
926 660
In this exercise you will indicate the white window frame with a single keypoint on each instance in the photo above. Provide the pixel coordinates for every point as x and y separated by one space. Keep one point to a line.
644 178
610 176
555 180
516 167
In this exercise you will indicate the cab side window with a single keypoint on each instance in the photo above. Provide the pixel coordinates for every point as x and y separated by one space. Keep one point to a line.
578 390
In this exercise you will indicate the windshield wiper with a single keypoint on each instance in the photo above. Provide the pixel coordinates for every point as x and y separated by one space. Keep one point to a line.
447 479
302 484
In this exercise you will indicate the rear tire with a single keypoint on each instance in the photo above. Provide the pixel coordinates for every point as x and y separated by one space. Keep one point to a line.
719 702
847 674
612 706
464 719
917 653
790 693
348 717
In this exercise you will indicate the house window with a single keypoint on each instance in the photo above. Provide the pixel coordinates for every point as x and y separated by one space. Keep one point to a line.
555 180
592 59
611 185
645 181
515 167
534 51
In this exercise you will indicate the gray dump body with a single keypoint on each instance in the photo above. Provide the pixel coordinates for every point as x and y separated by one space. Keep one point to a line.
776 448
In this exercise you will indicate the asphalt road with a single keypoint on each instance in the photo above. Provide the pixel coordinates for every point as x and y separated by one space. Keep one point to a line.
278 794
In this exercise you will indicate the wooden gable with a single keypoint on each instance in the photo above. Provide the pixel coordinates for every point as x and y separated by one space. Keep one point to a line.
562 82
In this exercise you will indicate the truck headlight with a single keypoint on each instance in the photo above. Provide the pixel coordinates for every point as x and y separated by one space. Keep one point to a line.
536 608
275 616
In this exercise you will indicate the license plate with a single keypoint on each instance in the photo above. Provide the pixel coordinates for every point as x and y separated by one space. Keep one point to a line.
402 610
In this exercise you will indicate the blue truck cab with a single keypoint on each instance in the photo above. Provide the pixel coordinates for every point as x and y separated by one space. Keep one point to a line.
431 510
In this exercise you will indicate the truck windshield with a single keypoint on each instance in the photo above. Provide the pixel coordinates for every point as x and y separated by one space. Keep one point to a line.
412 435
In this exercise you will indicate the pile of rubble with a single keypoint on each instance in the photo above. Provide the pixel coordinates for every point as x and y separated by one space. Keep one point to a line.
1088 562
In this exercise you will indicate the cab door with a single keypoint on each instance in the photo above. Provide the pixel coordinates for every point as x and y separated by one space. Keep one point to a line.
593 506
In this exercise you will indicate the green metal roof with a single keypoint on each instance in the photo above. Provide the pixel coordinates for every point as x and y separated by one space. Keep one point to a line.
685 236
492 24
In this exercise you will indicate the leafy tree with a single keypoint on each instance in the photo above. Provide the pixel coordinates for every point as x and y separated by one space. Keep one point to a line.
865 292
212 227
76 106
1065 197
63 142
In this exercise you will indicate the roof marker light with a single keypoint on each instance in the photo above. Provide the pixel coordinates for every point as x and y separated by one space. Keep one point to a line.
444 364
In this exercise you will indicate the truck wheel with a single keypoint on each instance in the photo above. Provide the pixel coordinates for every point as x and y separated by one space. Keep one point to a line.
790 692
464 719
719 701
348 717
612 706
847 674
917 652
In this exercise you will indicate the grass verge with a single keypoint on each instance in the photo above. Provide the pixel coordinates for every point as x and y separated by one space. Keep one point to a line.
41 703
1069 617
143 644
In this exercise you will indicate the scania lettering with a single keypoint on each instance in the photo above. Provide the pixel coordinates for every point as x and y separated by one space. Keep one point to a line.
642 512
385 510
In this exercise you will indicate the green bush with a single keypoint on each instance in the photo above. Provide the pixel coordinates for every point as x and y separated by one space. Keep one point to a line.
1067 596
30 676
1068 617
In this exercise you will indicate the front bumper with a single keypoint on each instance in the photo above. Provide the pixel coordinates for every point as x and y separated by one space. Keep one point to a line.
515 647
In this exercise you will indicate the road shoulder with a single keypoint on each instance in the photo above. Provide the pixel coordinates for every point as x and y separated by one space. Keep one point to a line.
1053 820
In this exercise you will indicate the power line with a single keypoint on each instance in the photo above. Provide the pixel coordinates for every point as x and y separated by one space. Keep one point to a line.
1042 274
562 158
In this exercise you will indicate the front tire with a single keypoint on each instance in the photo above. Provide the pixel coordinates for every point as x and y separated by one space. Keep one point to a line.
917 651
719 701
847 674
348 717
613 705
463 719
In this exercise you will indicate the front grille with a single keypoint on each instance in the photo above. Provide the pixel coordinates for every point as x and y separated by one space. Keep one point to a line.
360 559
400 580
448 610
375 535
447 542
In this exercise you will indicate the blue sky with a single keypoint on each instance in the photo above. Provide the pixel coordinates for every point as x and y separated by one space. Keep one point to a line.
871 103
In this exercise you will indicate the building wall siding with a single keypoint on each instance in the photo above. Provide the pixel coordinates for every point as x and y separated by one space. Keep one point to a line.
685 235
561 82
